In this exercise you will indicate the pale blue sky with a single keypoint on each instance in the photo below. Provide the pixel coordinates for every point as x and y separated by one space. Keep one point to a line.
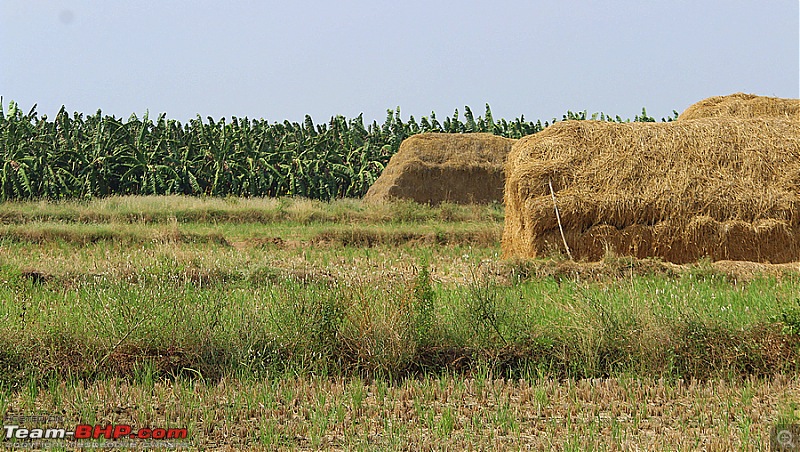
282 60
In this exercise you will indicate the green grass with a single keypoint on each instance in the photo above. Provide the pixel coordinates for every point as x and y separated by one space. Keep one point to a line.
211 309
190 209
311 334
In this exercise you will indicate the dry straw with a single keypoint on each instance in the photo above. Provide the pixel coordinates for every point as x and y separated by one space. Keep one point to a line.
436 167
743 106
723 188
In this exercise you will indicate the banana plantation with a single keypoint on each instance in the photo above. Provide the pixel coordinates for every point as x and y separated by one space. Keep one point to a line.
84 156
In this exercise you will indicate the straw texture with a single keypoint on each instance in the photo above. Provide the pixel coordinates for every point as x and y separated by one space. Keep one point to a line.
717 187
743 106
436 167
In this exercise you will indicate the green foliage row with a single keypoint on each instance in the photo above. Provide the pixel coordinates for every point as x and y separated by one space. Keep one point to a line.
84 156
264 322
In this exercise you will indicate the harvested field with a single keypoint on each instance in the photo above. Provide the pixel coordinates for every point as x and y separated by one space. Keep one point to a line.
722 188
481 412
261 324
432 168
743 106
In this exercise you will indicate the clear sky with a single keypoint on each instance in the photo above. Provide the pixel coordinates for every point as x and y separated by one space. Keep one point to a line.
283 59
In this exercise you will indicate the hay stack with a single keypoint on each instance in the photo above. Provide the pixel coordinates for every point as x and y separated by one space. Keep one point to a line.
436 167
722 188
743 106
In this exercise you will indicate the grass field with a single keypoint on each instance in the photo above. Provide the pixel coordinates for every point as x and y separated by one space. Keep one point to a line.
288 323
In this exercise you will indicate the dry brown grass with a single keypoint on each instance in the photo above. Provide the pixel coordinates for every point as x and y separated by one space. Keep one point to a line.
612 267
473 413
740 105
435 167
486 236
727 189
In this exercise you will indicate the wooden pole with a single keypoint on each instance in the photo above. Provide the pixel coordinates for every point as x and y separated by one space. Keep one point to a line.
558 217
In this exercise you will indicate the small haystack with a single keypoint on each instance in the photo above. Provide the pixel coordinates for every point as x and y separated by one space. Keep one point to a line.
436 167
743 106
720 188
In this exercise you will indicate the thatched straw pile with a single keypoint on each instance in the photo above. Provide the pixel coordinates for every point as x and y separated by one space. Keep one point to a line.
720 188
743 106
436 167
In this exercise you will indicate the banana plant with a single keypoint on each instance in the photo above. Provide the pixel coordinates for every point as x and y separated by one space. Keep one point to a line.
99 155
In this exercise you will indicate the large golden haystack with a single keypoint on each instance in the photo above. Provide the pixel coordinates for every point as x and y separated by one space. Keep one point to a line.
743 106
436 167
720 188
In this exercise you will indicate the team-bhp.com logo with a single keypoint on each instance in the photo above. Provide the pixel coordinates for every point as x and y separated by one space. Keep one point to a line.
18 432
85 431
